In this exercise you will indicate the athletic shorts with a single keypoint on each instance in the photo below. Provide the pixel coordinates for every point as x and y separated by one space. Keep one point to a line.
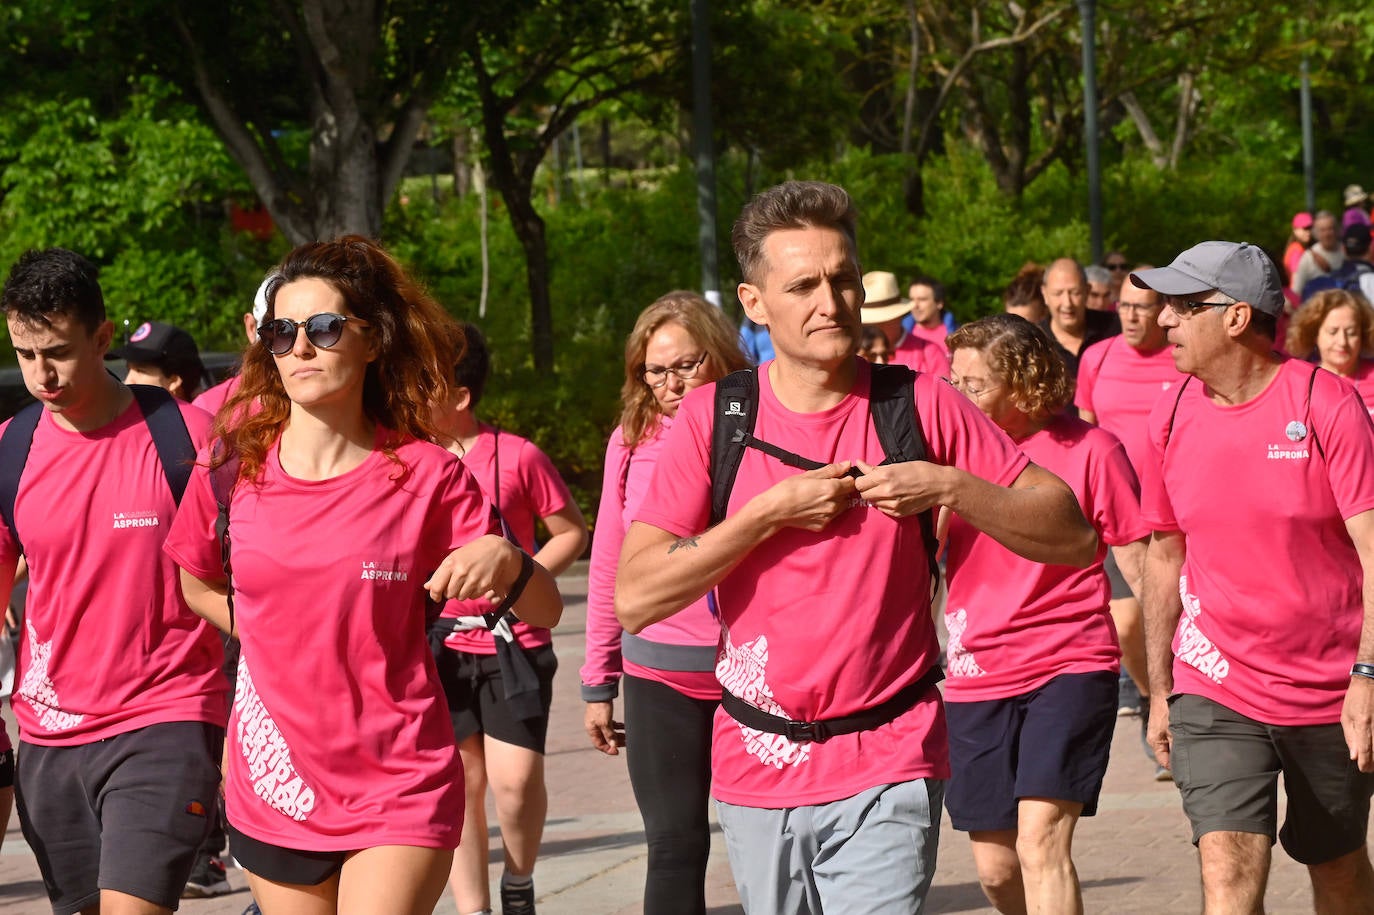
283 865
125 814
1119 587
476 698
7 769
1052 742
1227 766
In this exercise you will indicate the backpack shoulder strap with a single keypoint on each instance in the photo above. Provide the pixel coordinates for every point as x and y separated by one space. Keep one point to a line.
892 403
737 396
1311 425
1169 429
166 425
222 481
14 454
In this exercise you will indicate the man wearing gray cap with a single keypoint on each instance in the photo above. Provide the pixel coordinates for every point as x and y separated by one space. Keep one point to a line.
1259 598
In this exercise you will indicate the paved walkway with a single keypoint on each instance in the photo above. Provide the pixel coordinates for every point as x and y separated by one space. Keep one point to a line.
1134 857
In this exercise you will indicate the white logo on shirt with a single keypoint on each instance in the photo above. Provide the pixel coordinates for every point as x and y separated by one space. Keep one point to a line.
1295 431
1281 452
1194 648
274 778
742 671
40 692
962 663
373 572
1165 385
135 519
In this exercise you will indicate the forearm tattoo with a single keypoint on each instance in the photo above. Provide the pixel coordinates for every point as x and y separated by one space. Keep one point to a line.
683 543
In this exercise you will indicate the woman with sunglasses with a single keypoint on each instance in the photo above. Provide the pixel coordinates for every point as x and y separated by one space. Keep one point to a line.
344 790
1032 652
680 342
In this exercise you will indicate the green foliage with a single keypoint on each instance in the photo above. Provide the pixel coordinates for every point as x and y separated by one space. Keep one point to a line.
141 195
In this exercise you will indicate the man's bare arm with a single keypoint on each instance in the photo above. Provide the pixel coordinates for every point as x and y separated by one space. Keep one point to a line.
661 573
1036 517
1357 714
1130 559
1162 607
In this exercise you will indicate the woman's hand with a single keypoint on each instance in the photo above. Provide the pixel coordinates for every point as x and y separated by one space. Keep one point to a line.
607 734
486 567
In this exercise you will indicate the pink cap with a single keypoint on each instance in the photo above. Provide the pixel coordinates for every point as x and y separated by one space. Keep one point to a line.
1302 221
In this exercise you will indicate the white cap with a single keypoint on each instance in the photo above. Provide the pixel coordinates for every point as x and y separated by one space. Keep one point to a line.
260 299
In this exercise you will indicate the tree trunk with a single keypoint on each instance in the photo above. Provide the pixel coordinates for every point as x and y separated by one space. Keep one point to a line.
529 229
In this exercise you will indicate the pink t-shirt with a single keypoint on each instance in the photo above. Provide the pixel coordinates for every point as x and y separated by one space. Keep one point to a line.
109 645
921 355
624 486
1271 585
340 736
212 399
935 335
1363 380
823 625
1120 384
530 489
1015 624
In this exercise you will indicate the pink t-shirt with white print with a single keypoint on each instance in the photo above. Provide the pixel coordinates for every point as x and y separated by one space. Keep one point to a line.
530 489
1120 385
1015 624
1271 585
824 624
921 355
625 485
340 736
109 646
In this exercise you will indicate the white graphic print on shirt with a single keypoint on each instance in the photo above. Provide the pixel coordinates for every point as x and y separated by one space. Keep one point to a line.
40 692
742 671
1194 648
962 663
274 778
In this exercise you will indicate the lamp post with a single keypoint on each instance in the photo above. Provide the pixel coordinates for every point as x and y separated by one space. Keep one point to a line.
703 149
1087 10
1309 168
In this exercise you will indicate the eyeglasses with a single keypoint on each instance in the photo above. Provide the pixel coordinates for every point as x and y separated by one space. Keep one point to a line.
1185 307
656 376
1136 306
976 393
1118 267
323 330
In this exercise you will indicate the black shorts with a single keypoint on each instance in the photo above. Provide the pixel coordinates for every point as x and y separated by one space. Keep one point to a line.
476 698
6 769
1052 742
126 813
1227 768
283 865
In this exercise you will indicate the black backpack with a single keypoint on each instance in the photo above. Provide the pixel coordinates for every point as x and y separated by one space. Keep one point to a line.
891 403
175 450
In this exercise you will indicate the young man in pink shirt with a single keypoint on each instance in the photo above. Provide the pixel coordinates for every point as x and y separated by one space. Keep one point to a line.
1258 595
121 706
1119 380
829 767
928 311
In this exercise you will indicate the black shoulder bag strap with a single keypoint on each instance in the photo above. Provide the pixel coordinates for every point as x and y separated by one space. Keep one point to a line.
175 449
737 396
222 481
1169 429
14 454
1311 423
892 402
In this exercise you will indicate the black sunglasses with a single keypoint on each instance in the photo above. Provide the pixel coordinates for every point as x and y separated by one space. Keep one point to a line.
1117 267
323 330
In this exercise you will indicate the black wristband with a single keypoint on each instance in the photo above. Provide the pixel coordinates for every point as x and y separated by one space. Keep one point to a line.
517 588
1360 669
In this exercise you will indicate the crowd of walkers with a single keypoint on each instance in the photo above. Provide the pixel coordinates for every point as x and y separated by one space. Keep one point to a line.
853 566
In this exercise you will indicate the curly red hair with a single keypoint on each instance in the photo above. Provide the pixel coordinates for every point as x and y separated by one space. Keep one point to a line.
416 342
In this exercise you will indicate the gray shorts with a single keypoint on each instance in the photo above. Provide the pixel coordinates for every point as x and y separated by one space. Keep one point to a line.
870 854
1120 588
126 813
1227 768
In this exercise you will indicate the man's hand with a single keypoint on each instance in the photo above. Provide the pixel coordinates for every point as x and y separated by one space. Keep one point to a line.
812 499
1357 721
1157 731
606 733
899 490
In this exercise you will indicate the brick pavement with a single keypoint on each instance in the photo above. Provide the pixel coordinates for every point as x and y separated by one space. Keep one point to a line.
1134 857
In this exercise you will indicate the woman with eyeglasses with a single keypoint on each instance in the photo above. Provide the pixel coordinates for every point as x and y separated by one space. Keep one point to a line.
1032 655
680 342
348 527
1338 328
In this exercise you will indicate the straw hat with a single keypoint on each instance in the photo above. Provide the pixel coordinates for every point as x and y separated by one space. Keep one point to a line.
882 300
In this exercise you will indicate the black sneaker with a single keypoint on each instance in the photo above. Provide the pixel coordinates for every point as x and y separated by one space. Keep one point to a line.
517 900
207 879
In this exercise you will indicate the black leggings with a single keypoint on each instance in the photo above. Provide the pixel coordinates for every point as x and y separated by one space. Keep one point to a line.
668 742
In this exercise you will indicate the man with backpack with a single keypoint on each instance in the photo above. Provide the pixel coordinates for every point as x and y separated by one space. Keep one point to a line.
1259 602
1355 274
121 706
829 753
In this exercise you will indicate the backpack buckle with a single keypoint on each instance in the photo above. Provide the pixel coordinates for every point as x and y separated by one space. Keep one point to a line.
807 731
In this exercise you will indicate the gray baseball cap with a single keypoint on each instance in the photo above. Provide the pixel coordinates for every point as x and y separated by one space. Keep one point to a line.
1239 269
